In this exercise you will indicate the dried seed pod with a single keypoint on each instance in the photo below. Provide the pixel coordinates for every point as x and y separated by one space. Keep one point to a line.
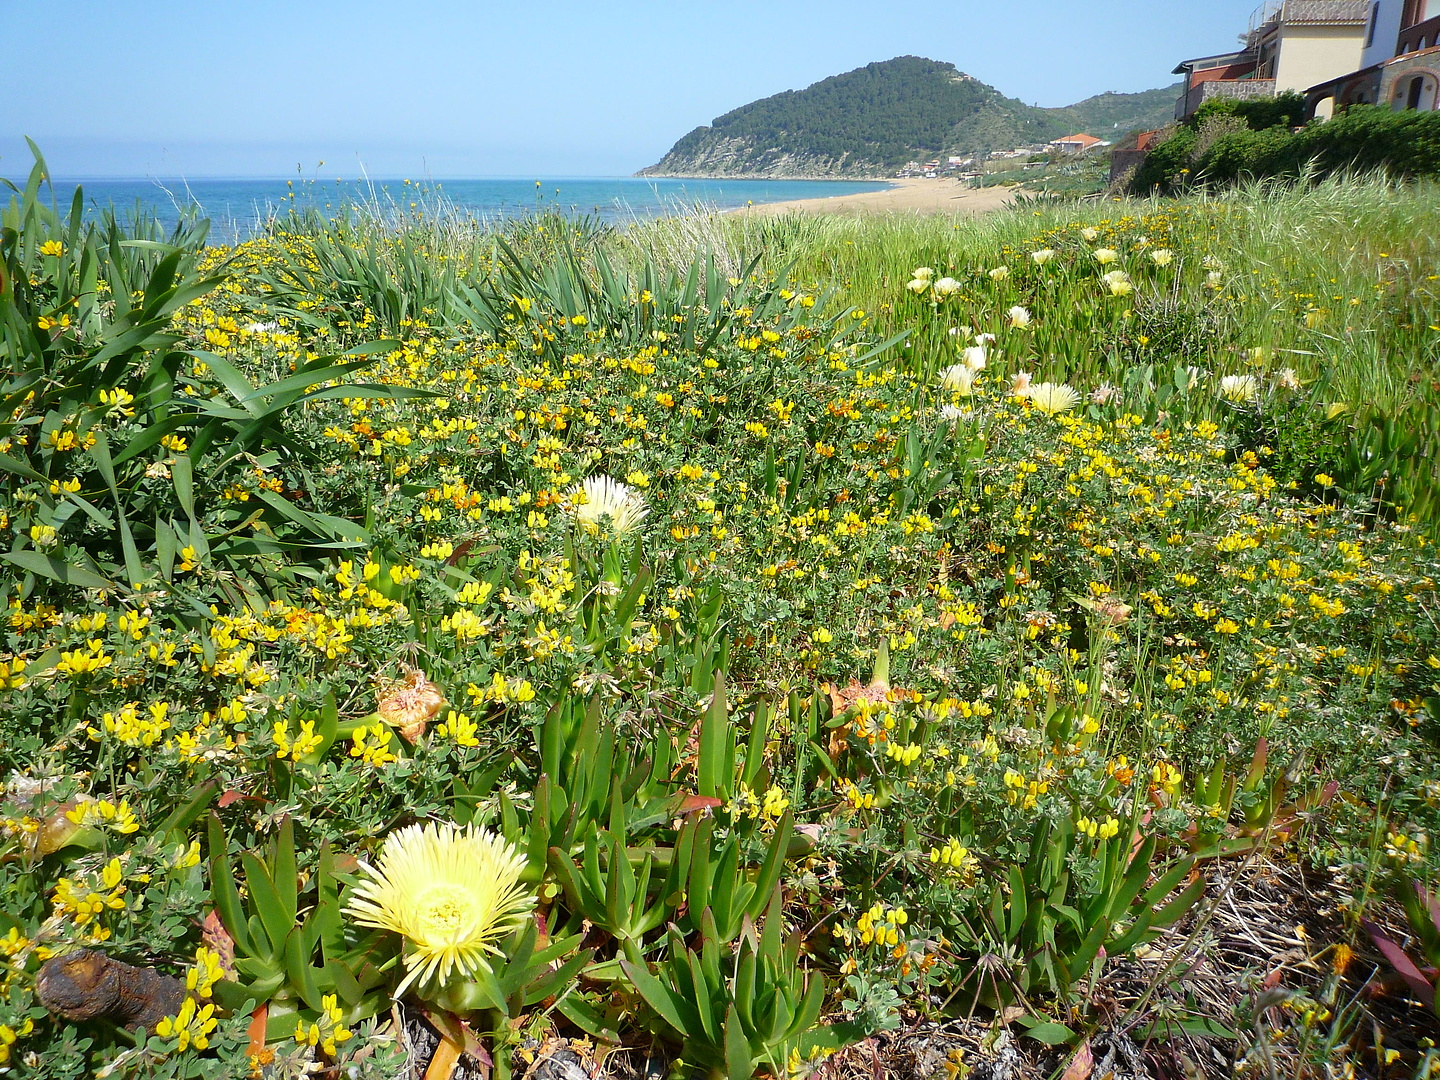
409 703
88 985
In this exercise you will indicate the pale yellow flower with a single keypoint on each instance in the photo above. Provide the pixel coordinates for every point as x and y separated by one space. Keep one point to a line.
451 893
1053 398
602 497
958 379
1119 283
1241 389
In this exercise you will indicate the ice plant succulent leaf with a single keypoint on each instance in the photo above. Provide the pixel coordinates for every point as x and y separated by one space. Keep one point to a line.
450 892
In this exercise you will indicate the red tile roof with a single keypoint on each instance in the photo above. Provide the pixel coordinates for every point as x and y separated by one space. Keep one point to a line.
1082 140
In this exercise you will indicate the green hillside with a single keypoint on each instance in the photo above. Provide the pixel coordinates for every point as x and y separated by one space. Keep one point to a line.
1112 116
874 119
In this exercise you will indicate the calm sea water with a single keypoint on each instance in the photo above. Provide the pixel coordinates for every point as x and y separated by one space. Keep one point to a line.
237 207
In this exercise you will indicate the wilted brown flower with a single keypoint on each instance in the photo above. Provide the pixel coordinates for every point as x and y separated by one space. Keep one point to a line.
408 703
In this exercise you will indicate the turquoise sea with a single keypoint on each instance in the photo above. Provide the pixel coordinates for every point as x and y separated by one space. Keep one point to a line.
237 207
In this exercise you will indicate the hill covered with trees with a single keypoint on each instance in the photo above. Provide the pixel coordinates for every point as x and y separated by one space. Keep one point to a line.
874 119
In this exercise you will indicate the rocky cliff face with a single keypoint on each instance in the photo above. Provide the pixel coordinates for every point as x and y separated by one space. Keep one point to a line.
740 159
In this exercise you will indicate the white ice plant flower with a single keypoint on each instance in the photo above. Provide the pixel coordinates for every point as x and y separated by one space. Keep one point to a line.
1020 383
1043 256
974 358
946 286
958 379
1241 389
1119 283
1106 256
603 497
1162 256
1019 317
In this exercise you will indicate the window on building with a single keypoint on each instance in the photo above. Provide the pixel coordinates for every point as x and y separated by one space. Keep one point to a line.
1417 87
1374 21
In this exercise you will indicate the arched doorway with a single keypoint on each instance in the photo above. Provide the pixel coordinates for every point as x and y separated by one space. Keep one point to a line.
1417 91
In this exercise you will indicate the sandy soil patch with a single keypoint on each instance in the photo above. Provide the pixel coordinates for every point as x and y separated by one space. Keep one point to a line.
913 196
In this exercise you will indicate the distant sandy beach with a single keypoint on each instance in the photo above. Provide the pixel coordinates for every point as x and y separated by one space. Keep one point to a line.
912 196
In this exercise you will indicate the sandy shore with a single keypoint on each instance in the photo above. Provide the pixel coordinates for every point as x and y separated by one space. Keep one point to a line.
912 196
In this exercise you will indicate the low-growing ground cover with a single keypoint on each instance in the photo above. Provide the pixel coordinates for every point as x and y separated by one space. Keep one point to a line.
725 658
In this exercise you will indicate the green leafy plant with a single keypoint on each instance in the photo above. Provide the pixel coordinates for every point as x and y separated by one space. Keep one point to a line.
733 1012
1045 926
276 948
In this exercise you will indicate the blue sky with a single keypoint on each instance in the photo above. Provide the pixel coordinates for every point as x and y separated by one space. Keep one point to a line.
460 88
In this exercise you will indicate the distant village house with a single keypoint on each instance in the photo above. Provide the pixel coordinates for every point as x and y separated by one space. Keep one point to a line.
1076 144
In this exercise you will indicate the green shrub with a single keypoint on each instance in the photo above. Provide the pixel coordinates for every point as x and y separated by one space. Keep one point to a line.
1285 110
1363 138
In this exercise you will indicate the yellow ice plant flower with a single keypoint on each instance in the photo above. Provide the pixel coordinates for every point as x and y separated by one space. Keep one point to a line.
1119 283
450 892
602 498
1106 256
191 1026
1052 398
1162 256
